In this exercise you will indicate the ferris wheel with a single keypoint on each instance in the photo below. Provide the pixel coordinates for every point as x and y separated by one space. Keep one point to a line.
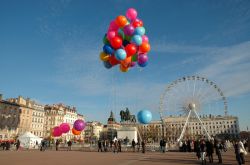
192 97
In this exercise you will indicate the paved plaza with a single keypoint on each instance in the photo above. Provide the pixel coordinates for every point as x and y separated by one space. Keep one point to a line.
35 157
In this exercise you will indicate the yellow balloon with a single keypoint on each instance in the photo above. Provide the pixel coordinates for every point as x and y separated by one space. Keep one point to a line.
104 56
123 69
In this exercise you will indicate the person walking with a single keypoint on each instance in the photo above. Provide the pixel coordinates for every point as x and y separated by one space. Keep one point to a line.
119 146
115 148
218 150
99 145
17 144
203 152
57 144
69 145
143 145
164 143
133 145
198 149
210 150
241 152
161 145
138 145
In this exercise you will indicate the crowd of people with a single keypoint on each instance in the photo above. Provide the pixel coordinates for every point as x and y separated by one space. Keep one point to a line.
115 146
206 149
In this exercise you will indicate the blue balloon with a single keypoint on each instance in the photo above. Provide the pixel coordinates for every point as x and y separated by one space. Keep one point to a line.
143 64
139 31
120 54
108 49
107 64
144 116
136 39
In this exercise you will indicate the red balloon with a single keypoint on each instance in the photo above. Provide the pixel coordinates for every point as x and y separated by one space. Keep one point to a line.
113 61
116 42
137 23
131 49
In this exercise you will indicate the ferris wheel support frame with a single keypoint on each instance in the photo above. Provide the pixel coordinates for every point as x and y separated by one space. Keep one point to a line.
184 128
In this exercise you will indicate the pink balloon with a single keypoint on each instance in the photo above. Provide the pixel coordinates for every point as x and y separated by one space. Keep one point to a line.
144 38
113 26
111 34
57 131
131 13
65 127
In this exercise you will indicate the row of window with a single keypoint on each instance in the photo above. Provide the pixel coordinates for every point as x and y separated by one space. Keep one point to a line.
37 120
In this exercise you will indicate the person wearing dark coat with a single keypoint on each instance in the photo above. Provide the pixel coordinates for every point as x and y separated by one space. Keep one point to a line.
210 151
143 145
99 145
17 145
57 144
203 152
218 151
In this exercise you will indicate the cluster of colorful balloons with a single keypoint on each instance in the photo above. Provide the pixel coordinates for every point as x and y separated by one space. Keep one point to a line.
125 42
59 130
78 126
144 116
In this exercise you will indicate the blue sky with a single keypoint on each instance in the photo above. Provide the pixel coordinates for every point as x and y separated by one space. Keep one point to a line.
50 52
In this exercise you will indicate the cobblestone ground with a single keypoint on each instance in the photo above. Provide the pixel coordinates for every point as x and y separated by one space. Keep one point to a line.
35 157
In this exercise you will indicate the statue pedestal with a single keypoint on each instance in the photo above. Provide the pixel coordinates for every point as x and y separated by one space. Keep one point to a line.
127 132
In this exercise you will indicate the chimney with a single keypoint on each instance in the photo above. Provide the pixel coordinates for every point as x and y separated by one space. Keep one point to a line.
19 99
1 96
27 102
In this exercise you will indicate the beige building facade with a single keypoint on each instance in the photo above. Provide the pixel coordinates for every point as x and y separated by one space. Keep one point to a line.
217 126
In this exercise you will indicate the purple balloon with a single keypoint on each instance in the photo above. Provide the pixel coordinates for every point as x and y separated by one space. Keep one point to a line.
142 58
129 30
79 125
65 127
57 131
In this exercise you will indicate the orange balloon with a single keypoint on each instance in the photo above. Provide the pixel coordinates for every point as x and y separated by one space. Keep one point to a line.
144 47
123 68
126 62
104 56
121 21
75 132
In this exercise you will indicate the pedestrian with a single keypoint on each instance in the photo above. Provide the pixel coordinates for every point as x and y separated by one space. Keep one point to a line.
69 145
133 145
164 145
99 145
143 145
7 147
115 146
57 144
119 146
17 145
105 145
180 146
161 145
210 150
203 152
198 149
241 152
138 145
218 150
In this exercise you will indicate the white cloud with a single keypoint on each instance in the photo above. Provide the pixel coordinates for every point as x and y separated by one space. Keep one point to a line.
230 68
